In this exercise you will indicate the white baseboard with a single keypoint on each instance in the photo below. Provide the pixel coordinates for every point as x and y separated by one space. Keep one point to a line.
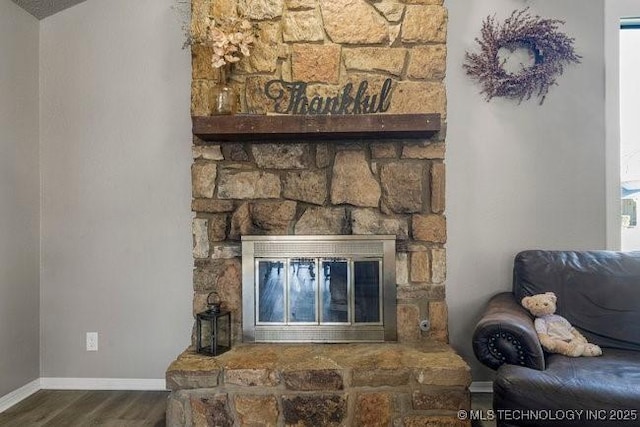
17 396
481 387
102 384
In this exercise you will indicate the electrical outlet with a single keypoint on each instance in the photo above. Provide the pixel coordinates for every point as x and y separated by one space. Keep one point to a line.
92 341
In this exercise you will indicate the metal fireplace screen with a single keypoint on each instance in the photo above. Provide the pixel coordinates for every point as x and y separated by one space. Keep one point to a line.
318 288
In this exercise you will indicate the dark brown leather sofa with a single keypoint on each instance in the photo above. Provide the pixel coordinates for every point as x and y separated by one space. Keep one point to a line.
599 293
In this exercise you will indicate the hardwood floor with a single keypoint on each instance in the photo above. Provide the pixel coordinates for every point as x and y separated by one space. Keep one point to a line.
57 408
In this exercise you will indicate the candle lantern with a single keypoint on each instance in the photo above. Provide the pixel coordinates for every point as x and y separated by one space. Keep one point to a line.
213 328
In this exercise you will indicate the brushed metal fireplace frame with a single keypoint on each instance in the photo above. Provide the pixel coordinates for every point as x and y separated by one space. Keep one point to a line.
352 246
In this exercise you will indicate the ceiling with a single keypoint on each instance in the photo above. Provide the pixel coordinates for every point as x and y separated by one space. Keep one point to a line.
43 8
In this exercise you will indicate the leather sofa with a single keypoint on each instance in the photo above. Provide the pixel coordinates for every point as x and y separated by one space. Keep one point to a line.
599 293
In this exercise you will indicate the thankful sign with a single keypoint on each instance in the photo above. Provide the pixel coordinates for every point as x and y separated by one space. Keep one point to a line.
291 98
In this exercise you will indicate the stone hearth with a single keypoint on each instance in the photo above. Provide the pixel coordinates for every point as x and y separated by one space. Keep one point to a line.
320 385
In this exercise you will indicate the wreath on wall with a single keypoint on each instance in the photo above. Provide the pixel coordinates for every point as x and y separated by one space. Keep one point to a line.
550 48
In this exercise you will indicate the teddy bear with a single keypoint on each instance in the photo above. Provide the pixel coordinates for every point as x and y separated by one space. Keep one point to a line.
555 332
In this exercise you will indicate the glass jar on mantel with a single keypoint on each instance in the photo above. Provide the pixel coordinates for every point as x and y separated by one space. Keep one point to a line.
224 99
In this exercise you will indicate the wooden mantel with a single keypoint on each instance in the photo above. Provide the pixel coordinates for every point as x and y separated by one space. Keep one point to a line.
244 127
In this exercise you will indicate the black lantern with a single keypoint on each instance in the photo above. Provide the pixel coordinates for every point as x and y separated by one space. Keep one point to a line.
213 328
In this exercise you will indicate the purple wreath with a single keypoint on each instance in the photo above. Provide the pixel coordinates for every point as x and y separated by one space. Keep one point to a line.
551 49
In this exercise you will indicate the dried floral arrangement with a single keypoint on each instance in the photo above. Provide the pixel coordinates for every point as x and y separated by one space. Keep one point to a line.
551 49
231 40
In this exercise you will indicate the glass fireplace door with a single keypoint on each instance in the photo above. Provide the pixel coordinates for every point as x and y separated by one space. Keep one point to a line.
318 291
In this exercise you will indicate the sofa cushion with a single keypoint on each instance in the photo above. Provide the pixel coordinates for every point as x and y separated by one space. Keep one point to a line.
598 291
607 383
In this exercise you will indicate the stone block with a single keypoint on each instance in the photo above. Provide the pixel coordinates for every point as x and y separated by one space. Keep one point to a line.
428 62
391 9
316 63
199 228
383 150
211 410
419 97
248 185
437 187
307 186
203 178
424 24
402 188
380 377
375 59
424 151
217 228
250 377
199 19
226 251
368 221
191 371
259 10
241 222
314 410
207 152
176 413
257 102
402 269
211 206
323 155
429 228
371 28
200 94
438 265
220 9
313 379
325 221
302 26
353 182
180 380
201 62
420 267
373 410
438 318
440 399
420 291
273 217
281 156
256 410
235 152
264 52
408 322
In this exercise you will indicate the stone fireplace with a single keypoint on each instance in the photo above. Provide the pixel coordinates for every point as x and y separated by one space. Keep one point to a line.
318 186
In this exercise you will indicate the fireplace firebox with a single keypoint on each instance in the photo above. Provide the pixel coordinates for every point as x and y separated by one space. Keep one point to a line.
318 288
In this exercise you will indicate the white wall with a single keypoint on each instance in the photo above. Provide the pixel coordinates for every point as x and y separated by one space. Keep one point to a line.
520 176
115 158
19 194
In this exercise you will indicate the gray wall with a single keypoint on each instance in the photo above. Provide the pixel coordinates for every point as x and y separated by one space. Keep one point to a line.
19 194
520 176
115 159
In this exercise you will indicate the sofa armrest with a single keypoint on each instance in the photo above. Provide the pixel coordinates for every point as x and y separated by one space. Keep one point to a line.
505 334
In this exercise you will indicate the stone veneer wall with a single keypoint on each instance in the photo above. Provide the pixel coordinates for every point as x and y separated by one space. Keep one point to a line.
340 187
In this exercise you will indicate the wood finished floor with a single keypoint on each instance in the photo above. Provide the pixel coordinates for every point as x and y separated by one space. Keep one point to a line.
57 408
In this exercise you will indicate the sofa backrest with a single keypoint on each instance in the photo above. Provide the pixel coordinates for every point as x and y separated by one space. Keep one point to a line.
598 291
